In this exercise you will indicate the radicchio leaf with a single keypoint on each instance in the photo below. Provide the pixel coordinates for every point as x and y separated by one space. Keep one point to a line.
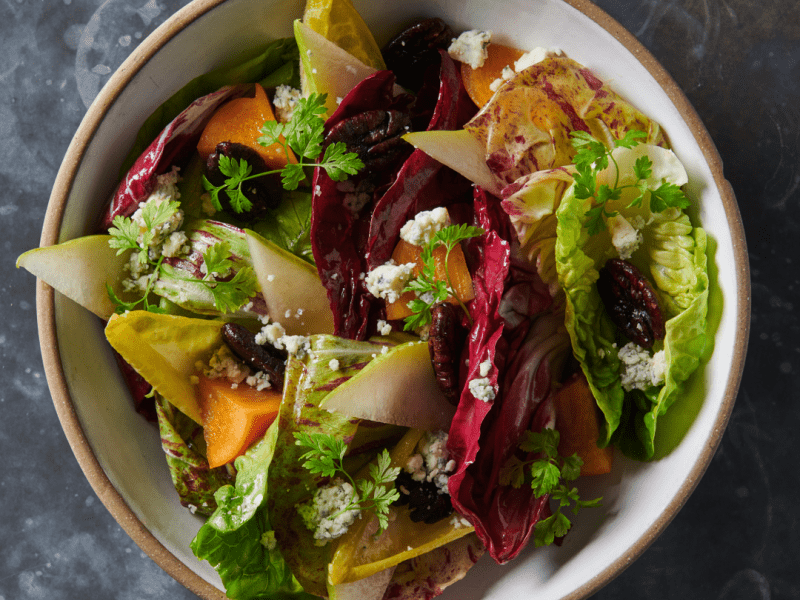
183 443
176 138
347 243
519 331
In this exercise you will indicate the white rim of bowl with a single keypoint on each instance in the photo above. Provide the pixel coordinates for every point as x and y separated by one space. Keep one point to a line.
45 298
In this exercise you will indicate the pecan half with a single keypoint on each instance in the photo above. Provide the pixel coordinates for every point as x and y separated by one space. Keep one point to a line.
413 50
376 136
264 192
631 302
242 343
445 343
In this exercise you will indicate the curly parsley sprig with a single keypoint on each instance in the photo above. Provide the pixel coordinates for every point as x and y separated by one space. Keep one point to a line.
302 137
428 289
592 157
547 474
325 457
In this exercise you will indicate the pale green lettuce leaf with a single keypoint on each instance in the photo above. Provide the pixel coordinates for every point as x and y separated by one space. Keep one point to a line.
674 256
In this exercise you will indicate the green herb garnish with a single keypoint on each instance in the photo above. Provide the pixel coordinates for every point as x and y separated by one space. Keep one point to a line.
593 156
428 289
303 134
325 457
126 234
547 474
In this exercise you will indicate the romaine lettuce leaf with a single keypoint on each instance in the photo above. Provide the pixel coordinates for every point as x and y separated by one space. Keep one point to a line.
676 260
238 541
184 445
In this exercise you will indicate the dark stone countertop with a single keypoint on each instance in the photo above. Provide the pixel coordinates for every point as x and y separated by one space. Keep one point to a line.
737 537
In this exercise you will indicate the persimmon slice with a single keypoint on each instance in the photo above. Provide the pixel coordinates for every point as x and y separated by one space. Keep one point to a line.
240 120
405 252
478 81
233 417
579 428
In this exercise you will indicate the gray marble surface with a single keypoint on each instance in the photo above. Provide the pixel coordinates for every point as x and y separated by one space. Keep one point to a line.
738 536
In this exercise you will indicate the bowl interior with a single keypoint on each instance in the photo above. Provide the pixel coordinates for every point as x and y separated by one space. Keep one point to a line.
639 499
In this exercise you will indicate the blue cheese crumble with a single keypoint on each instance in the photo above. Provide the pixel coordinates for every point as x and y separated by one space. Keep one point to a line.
329 514
285 101
431 461
641 371
471 47
420 230
388 280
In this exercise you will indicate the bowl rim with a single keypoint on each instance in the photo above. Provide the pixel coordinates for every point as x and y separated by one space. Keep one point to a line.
46 317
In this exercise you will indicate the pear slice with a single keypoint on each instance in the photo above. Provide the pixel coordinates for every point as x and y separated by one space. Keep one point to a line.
80 270
290 286
326 68
460 151
398 388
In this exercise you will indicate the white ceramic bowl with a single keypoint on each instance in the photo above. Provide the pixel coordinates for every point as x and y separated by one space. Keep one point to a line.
121 454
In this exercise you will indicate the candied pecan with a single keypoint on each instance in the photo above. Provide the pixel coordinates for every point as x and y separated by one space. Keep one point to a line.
413 50
242 343
445 343
264 192
631 303
376 136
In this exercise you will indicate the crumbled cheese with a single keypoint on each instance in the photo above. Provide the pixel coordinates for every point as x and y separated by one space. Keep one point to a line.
285 101
270 334
471 47
224 364
624 236
485 367
640 370
323 513
388 280
482 389
420 230
536 55
431 461
384 328
523 62
333 365
260 381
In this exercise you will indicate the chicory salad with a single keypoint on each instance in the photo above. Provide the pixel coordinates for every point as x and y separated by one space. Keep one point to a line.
385 305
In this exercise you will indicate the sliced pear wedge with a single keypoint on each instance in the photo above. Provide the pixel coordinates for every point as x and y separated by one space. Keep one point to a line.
290 286
164 349
398 387
460 151
326 68
80 269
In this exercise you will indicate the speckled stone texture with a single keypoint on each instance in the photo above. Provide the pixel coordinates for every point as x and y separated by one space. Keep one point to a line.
738 536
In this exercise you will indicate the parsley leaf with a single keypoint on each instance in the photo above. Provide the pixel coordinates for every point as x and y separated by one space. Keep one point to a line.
547 473
428 289
325 457
592 156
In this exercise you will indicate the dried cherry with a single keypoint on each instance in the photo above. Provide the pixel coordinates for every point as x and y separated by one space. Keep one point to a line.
267 359
631 302
413 50
426 502
445 343
263 192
